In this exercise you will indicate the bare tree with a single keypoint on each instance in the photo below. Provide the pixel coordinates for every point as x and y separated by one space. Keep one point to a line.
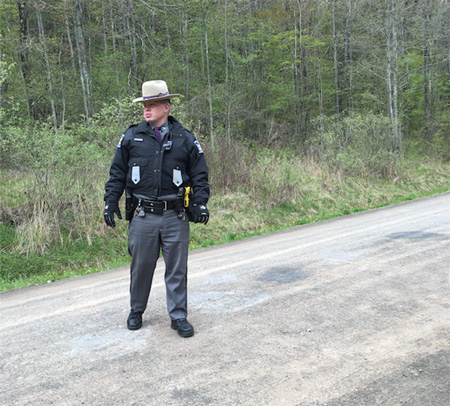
130 30
392 72
69 39
82 58
427 82
38 4
105 37
347 57
211 123
185 31
397 127
227 82
114 47
23 51
335 62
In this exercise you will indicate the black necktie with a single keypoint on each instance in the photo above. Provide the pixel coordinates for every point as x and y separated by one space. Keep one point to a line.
158 134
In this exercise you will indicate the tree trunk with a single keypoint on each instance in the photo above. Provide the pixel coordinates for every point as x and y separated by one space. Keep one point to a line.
186 53
82 60
114 46
227 84
130 29
397 128
320 99
389 76
23 22
166 22
63 93
335 64
47 62
105 38
295 79
69 40
3 79
23 51
209 81
301 78
347 58
427 117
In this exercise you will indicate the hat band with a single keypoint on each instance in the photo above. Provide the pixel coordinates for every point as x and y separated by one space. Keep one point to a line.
153 97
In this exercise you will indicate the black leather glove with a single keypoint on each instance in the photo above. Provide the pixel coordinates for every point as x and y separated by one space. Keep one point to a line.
108 214
201 213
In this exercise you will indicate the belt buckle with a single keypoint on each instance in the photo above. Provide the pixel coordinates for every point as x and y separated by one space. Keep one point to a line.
165 205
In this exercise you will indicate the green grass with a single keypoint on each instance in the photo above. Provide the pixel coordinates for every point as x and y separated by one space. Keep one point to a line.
60 262
246 221
317 195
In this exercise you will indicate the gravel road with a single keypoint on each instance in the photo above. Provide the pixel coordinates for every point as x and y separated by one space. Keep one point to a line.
351 311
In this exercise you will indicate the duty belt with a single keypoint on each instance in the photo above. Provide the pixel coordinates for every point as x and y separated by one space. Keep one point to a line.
156 206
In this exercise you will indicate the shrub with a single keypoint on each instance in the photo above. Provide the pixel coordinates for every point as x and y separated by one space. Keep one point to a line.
54 178
276 178
229 165
357 145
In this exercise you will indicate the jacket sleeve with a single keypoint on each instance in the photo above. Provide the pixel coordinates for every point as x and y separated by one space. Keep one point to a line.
115 186
198 173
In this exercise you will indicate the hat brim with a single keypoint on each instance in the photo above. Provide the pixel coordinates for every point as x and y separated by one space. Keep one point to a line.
144 99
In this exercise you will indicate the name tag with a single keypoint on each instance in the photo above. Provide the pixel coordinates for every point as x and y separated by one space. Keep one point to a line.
139 139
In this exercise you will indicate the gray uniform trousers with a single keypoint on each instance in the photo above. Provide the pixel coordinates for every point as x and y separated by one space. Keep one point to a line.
149 235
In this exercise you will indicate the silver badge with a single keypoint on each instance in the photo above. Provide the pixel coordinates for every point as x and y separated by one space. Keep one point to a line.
177 178
135 174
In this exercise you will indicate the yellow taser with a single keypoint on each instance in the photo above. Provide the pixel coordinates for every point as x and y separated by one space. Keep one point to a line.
186 196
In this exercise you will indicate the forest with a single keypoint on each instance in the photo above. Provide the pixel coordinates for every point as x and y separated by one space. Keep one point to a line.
277 91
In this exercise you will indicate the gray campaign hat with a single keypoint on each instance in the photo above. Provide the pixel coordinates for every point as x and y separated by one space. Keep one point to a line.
154 90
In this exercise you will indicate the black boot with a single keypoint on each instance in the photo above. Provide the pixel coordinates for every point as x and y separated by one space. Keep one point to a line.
184 328
134 321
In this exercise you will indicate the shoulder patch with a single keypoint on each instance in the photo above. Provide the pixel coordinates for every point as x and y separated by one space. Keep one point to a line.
197 144
119 145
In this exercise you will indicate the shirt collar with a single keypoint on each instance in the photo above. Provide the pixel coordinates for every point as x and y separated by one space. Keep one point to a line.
164 128
165 125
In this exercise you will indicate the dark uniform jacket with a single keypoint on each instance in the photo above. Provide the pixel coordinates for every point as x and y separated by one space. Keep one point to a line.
146 167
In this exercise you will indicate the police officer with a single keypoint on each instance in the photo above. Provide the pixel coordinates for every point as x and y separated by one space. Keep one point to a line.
155 161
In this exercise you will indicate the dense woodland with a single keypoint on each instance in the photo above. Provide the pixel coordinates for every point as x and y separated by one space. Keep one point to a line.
258 70
305 109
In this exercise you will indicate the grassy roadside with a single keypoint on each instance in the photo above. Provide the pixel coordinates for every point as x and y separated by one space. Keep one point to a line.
235 215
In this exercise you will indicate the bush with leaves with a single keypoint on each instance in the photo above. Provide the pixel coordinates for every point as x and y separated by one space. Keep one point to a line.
357 145
53 180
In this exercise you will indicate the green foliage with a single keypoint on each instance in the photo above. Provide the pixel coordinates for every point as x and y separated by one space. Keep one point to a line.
57 178
59 261
52 182
255 190
276 178
268 62
281 157
357 145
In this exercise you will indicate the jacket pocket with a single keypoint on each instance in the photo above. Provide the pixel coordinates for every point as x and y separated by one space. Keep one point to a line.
137 172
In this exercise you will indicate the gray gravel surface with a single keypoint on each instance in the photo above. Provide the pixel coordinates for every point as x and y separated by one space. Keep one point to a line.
351 311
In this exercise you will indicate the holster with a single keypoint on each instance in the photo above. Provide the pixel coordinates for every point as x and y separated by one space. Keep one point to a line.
184 202
187 202
130 207
179 202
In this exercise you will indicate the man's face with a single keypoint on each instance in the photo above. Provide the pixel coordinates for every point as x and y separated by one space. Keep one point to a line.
156 112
